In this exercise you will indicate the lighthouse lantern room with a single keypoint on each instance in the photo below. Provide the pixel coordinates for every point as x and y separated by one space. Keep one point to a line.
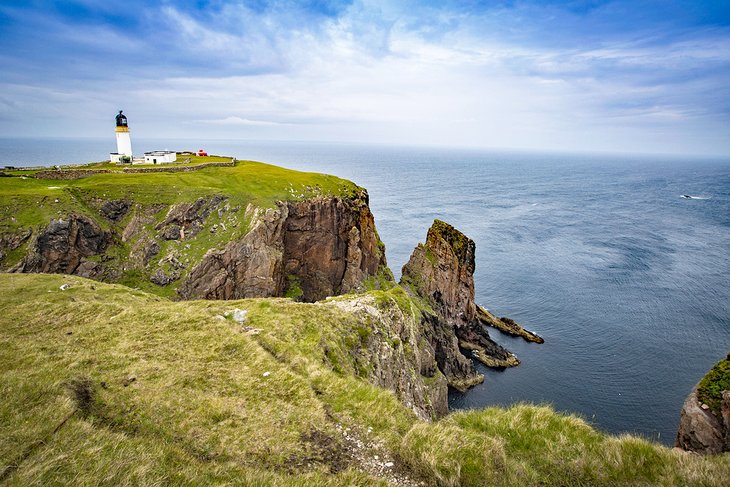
124 141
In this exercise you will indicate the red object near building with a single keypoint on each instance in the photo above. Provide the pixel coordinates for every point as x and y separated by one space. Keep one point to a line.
201 152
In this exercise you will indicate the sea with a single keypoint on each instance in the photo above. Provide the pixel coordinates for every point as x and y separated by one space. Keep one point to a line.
603 255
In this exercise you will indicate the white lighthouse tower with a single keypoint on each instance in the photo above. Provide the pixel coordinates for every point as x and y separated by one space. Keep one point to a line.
124 141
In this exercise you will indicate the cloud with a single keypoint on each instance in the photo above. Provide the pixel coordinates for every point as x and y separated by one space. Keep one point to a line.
236 121
596 75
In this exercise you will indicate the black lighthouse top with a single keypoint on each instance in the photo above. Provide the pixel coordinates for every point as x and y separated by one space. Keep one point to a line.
121 120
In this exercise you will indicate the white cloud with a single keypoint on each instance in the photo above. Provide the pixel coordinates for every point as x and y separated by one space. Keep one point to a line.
235 121
374 74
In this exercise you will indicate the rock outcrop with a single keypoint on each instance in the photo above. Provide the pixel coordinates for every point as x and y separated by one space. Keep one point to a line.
115 210
704 424
65 246
441 272
185 220
12 241
246 268
507 325
308 249
392 353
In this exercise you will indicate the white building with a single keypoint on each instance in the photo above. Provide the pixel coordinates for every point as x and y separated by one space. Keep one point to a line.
160 157
124 141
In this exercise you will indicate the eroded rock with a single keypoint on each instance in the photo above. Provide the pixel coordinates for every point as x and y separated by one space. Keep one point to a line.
247 268
331 245
325 246
64 247
161 278
441 272
704 424
185 220
507 325
699 430
115 210
393 354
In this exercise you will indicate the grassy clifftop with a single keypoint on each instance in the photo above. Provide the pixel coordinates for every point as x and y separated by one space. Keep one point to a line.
33 201
140 237
106 385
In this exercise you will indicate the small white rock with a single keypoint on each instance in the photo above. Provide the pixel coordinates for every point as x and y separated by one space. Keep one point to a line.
64 287
388 464
239 315
266 374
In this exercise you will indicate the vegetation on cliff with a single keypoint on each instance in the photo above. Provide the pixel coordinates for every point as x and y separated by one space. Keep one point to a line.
36 201
710 388
104 384
107 384
151 230
704 421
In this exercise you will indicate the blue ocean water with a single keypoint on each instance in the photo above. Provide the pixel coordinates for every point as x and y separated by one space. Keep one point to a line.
626 281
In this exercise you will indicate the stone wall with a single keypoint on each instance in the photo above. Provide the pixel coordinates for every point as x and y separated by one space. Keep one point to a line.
83 173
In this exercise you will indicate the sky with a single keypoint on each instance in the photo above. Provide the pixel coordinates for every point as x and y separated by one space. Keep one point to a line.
578 75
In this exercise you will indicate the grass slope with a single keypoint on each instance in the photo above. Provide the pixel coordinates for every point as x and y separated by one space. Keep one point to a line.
106 385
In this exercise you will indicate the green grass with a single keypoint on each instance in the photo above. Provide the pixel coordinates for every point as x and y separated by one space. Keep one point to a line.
106 385
709 390
31 201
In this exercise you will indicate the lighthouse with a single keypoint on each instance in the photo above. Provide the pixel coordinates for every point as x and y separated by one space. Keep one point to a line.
124 141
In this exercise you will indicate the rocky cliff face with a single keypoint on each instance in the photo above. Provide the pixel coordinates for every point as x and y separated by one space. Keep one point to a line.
309 249
331 245
705 428
246 268
441 272
65 247
393 354
306 249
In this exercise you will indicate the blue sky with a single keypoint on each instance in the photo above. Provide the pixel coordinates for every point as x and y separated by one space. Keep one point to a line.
628 76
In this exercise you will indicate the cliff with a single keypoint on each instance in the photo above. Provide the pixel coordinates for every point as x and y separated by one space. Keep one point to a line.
308 242
704 424
243 230
305 249
103 384
440 273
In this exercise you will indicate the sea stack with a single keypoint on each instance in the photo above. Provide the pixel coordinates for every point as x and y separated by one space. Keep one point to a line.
441 273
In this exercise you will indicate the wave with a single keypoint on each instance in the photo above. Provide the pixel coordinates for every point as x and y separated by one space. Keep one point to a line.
691 197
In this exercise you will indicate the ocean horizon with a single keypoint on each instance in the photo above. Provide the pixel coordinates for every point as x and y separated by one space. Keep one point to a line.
600 254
